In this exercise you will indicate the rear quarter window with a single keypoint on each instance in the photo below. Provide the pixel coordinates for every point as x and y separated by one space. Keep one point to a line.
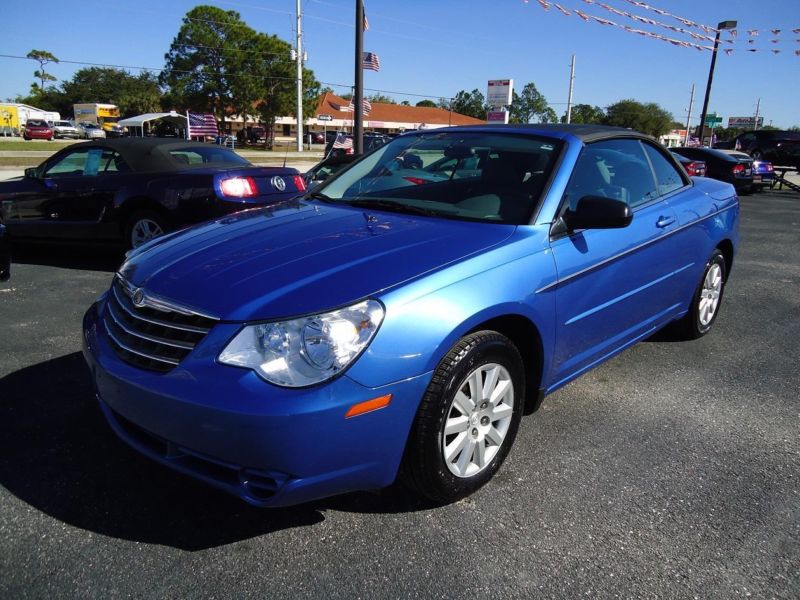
201 156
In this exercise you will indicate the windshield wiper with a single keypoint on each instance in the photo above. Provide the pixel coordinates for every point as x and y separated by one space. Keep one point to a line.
319 196
394 206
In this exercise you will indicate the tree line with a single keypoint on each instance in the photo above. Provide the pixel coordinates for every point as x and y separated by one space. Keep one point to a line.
218 64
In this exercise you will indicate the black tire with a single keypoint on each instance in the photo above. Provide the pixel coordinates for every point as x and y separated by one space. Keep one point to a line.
424 467
693 325
136 219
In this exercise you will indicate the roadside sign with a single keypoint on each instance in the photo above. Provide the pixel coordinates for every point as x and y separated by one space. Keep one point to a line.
499 92
745 122
497 116
713 120
324 118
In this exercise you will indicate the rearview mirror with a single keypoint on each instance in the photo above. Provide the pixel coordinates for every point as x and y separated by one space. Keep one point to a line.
598 212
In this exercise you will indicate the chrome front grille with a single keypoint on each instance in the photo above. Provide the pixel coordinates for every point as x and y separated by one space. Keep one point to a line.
155 334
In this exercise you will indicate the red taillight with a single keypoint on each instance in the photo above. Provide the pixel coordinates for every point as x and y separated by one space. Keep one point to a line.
239 187
768 166
416 180
694 168
299 182
738 169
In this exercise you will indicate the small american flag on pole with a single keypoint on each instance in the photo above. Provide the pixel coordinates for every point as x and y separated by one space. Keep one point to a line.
202 124
370 60
365 104
343 141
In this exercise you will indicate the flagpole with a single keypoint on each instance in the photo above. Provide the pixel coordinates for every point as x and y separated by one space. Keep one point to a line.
188 128
358 96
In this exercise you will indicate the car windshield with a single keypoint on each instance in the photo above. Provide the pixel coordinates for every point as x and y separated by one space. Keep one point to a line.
480 176
89 126
36 123
63 123
202 155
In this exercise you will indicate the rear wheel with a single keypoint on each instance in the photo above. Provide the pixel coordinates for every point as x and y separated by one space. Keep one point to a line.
142 227
468 418
706 301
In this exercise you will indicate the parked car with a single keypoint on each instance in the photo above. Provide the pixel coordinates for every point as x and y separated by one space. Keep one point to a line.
326 168
328 344
65 129
693 168
5 254
37 129
130 190
778 147
371 141
763 172
90 131
722 166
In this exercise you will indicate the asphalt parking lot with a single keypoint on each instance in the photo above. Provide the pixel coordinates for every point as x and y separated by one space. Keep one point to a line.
672 471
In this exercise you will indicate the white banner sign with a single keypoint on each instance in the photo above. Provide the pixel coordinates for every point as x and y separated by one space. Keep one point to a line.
499 92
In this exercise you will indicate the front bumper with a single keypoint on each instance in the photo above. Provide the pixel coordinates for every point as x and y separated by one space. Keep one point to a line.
270 446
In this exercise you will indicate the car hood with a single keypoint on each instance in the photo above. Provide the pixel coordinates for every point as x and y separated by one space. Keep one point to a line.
299 258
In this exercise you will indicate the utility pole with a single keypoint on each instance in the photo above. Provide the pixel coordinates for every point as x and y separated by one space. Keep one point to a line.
720 27
299 51
689 117
758 107
571 81
358 92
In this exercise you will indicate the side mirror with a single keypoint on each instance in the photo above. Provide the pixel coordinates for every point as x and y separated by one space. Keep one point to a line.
597 212
30 172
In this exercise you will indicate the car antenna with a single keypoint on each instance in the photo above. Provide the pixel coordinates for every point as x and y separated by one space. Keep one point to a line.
285 154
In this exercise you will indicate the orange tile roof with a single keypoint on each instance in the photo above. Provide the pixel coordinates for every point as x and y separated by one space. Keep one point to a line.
330 104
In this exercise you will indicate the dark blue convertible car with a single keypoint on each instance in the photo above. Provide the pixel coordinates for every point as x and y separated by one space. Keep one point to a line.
131 190
400 319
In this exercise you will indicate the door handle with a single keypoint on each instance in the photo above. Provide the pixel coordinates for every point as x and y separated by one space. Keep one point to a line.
54 215
665 221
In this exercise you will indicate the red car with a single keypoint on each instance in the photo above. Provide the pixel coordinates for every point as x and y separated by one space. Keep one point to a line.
37 129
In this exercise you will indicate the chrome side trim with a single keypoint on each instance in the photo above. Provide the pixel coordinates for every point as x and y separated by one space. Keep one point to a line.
192 328
158 303
577 274
144 336
167 361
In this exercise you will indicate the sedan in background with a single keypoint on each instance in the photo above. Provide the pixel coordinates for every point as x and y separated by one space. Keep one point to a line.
90 131
722 166
763 172
693 168
131 190
366 331
37 129
65 129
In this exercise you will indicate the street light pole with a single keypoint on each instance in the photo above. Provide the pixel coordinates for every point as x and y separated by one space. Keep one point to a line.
358 92
723 25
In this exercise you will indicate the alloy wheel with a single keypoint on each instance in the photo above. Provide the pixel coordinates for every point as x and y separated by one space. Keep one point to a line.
478 420
143 231
710 295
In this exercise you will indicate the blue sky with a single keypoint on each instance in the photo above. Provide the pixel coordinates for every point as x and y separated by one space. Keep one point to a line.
436 48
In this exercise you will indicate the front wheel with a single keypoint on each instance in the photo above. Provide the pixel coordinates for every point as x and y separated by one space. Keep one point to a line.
468 418
142 227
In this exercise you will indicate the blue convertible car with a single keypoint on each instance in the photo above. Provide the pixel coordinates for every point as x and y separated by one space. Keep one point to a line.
400 319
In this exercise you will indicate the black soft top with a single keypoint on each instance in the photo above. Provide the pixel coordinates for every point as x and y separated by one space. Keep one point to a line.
152 154
586 133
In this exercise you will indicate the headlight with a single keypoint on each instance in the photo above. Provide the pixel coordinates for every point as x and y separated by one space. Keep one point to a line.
307 350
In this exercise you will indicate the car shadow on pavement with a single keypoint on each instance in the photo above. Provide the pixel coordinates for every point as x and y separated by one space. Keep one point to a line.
58 455
68 256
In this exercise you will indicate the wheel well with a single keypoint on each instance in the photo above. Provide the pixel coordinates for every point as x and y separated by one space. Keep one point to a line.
525 336
726 247
137 204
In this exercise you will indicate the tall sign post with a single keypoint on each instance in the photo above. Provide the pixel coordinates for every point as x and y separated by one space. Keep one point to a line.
720 27
358 92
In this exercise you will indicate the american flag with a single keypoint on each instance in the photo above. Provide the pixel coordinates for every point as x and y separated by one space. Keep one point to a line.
370 60
367 106
202 124
343 141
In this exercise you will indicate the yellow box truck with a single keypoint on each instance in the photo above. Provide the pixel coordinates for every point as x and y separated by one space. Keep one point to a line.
103 115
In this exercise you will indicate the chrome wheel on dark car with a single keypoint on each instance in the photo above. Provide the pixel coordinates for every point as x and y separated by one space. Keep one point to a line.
143 227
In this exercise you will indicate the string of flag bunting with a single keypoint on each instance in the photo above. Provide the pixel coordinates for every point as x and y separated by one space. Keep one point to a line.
700 41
